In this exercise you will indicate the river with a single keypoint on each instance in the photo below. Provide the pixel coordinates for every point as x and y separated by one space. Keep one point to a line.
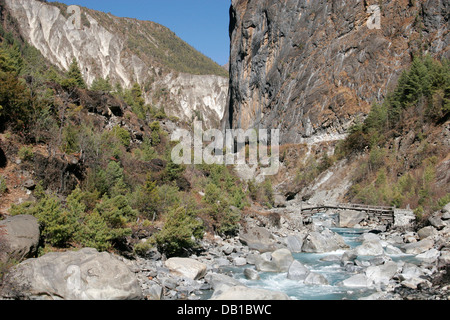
326 264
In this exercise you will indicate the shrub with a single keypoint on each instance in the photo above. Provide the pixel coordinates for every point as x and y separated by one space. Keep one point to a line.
122 135
74 78
100 84
70 143
95 232
180 231
147 200
116 211
156 133
142 248
58 225
26 153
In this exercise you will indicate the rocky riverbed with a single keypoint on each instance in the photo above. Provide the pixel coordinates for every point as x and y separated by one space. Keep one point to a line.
268 243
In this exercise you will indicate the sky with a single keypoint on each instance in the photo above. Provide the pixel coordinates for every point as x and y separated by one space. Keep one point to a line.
201 23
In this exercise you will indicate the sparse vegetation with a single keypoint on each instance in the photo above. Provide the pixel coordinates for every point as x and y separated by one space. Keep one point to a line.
386 174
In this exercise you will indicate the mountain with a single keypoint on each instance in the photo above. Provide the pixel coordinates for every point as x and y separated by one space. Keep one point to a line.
310 68
172 74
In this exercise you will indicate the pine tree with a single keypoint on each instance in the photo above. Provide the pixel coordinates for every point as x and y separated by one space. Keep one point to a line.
74 78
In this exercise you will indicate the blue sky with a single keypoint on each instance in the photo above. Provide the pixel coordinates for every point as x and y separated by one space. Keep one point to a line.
201 23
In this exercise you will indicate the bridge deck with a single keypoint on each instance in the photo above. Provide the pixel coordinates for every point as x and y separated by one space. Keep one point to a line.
386 213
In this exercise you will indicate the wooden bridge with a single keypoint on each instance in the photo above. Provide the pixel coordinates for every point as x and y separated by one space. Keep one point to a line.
385 214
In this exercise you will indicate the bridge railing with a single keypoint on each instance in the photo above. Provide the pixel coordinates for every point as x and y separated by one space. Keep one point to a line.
365 206
350 206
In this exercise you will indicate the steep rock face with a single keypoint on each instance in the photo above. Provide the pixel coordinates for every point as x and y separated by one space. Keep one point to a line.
103 49
310 68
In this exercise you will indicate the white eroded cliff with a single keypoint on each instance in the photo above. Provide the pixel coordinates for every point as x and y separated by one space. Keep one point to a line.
104 53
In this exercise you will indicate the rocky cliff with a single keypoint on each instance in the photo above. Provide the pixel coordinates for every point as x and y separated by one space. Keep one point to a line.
127 51
310 68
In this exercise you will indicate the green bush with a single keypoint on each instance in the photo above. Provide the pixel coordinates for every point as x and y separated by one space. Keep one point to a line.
122 135
155 135
180 232
26 153
100 84
74 78
70 143
58 225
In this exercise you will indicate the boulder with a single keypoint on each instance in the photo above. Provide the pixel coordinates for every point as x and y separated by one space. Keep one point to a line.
357 281
279 201
258 238
19 238
240 261
383 273
251 274
244 293
297 271
370 248
277 261
154 292
294 243
419 246
316 279
218 280
444 259
282 259
325 241
349 255
429 256
437 222
410 271
426 232
349 218
414 283
264 263
186 267
392 250
446 215
446 208
74 275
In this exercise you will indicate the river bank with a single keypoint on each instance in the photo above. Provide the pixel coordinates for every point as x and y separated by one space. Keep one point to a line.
276 256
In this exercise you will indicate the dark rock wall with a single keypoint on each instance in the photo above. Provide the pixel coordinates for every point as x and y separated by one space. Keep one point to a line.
310 67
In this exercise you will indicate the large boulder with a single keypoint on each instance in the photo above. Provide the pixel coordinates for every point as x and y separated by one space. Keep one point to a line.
297 271
185 267
357 281
444 258
258 238
294 243
76 275
19 238
419 246
316 279
383 273
426 232
282 259
325 241
429 256
436 221
277 261
250 294
370 248
349 218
